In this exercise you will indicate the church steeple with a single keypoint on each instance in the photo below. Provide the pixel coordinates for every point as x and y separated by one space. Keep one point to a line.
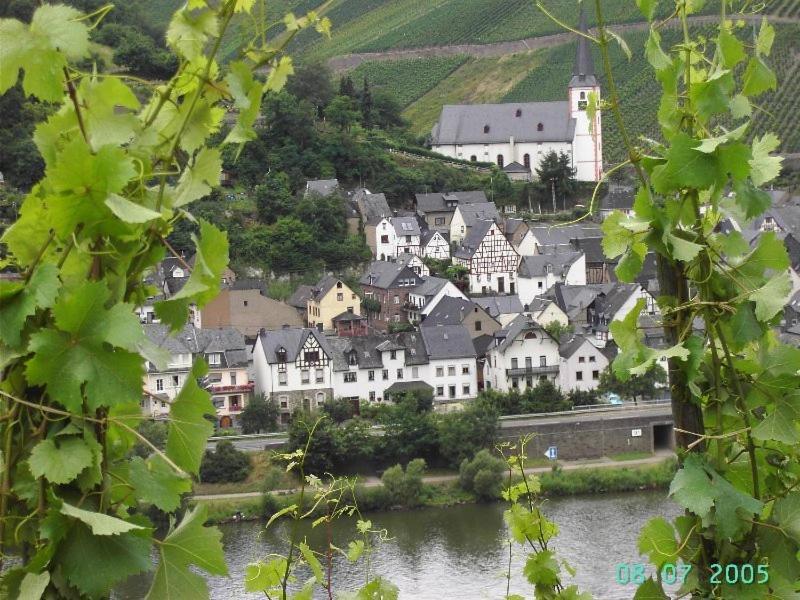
583 71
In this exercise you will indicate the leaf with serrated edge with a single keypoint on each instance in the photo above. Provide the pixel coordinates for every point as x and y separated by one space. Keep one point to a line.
99 523
189 430
657 541
60 464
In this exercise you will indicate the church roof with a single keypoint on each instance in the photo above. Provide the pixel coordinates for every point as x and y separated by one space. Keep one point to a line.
583 71
497 123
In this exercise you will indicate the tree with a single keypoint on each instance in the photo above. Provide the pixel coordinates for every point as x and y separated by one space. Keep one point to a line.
338 410
405 487
556 172
544 397
312 82
366 105
225 464
583 397
557 329
637 386
386 112
260 415
346 87
408 432
342 112
273 198
289 242
464 433
484 475
355 443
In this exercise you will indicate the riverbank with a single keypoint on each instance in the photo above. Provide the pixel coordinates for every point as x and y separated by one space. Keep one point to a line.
567 479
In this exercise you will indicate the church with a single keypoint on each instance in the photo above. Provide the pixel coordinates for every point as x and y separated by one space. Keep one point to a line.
516 136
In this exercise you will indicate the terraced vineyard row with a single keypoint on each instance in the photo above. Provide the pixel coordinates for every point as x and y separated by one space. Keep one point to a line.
408 79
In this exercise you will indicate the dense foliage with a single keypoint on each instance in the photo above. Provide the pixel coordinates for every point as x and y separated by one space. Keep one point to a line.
404 486
224 464
259 416
636 387
484 475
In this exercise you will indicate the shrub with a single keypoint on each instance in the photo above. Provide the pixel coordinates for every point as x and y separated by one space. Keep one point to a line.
225 464
372 498
156 434
404 487
338 409
482 475
462 434
259 415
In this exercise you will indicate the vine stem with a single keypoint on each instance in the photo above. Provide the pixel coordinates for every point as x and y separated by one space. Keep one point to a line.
5 490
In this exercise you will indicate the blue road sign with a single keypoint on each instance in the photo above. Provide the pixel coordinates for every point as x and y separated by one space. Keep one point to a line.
552 452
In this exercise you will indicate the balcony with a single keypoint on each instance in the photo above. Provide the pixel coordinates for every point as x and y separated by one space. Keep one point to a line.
242 388
527 371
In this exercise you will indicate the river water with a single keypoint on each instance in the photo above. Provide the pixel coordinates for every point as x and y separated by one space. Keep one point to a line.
460 552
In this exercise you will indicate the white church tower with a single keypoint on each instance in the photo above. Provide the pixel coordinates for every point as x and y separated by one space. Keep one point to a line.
587 146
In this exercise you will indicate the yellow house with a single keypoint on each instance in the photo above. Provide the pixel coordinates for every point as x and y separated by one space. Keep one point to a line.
330 298
545 311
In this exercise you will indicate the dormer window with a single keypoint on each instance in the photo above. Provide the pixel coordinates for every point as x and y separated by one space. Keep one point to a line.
583 95
485 129
214 358
352 359
281 354
540 127
519 112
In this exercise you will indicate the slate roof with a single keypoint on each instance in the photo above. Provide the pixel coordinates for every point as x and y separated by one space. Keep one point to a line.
482 344
384 274
609 302
301 296
292 340
536 266
466 123
348 316
400 387
554 237
368 349
191 340
249 284
428 234
592 247
323 187
500 305
448 341
515 167
470 243
373 207
438 202
405 225
430 286
583 71
323 286
574 299
448 311
483 211
569 347
619 197
519 325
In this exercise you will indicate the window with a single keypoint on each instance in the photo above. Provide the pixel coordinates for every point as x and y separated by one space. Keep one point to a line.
519 112
440 371
478 326
305 376
384 239
541 285
540 127
282 380
579 375
159 385
451 370
473 158
440 390
581 359
465 390
408 239
372 396
399 373
233 378
526 160
176 381
319 375
415 372
485 129
514 363
542 361
396 299
500 161
528 362
465 369
163 404
245 302
393 354
438 221
371 375
385 374
215 377
451 391
214 358
284 401
514 383
350 377
595 375
312 356
340 297
592 359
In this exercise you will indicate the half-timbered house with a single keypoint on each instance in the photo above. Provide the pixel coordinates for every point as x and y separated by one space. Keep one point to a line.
490 258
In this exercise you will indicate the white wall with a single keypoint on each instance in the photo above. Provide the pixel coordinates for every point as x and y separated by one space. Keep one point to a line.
362 387
527 247
497 361
437 248
588 143
385 250
511 152
491 282
549 314
459 379
449 289
593 360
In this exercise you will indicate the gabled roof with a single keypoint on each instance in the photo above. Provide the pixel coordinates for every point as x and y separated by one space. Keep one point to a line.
619 197
448 311
301 296
292 340
249 284
190 340
348 315
550 236
592 247
536 266
384 274
439 201
497 123
448 341
500 305
429 234
373 208
569 347
430 286
610 301
405 225
324 285
519 326
472 241
368 349
323 187
483 211
515 167
583 71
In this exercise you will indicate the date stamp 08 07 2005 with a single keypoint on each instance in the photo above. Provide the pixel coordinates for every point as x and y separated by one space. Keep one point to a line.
636 573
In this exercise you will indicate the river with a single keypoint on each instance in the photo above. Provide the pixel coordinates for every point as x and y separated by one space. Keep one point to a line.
460 552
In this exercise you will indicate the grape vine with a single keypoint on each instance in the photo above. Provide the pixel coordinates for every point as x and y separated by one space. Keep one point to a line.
119 174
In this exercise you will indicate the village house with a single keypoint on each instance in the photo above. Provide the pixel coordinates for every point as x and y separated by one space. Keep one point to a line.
452 364
502 308
349 324
538 273
425 296
322 187
522 355
388 284
293 369
581 363
552 238
330 298
415 263
225 352
599 269
373 208
518 233
461 311
545 311
437 209
467 215
524 133
435 244
619 198
490 259
396 236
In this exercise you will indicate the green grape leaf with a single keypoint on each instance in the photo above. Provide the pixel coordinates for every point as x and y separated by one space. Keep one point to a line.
157 483
787 514
781 552
197 180
99 523
740 107
279 74
76 354
685 167
708 145
261 576
650 590
658 59
730 48
40 292
631 263
313 562
694 6
60 463
771 298
378 589
682 249
246 92
190 543
744 326
657 541
243 6
525 524
766 36
188 428
541 569
758 78
573 593
123 555
130 212
104 121
354 550
748 201
780 424
33 586
12 52
60 26
648 8
712 96
621 43
765 168
189 31
691 487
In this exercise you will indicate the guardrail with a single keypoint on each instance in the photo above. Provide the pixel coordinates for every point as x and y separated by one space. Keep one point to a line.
248 436
591 408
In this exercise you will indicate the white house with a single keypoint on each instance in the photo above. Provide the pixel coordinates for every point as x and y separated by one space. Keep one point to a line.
524 133
537 274
395 236
435 245
425 296
413 262
490 259
466 215
224 351
452 363
293 368
520 356
581 364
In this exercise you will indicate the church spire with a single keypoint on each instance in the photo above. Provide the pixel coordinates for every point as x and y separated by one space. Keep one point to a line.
583 72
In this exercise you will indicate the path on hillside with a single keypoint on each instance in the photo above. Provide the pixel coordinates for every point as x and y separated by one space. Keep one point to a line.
566 465
350 61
